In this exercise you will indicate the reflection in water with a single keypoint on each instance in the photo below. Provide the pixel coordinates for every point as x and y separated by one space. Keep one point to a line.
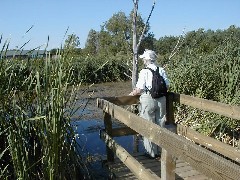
93 148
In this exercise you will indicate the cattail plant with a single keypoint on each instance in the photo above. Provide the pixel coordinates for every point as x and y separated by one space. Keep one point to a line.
38 141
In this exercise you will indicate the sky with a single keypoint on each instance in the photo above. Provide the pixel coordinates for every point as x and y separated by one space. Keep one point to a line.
53 18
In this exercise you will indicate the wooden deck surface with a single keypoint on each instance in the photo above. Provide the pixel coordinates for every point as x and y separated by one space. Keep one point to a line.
183 170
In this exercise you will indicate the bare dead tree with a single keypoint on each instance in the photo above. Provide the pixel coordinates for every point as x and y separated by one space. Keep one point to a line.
135 43
177 46
134 48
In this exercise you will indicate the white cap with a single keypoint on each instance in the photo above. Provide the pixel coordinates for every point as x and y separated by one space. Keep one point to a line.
149 55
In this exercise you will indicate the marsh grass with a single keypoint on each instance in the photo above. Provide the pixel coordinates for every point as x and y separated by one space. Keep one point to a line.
37 140
39 97
214 76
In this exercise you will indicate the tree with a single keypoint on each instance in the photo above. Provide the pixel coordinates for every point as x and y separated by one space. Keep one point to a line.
166 44
91 46
104 43
119 28
72 44
137 40
116 36
120 33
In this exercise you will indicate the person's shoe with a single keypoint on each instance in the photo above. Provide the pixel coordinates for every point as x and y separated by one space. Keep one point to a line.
148 156
158 157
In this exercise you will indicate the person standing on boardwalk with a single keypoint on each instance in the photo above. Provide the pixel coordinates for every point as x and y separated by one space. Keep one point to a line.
151 109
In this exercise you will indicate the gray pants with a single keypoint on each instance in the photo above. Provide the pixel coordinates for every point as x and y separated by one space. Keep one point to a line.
153 110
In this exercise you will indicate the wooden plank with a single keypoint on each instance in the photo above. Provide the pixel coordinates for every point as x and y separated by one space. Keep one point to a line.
123 131
170 108
208 105
213 144
121 171
185 171
122 100
168 166
201 159
183 168
135 167
108 128
188 173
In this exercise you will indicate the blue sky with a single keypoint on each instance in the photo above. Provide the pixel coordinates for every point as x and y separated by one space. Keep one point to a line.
53 17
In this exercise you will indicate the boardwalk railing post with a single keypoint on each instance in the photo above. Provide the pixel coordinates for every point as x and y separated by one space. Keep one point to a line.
134 109
108 129
168 162
170 108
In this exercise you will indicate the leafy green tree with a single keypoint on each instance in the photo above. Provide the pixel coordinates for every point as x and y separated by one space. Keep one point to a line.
165 44
119 28
116 36
72 44
104 43
91 46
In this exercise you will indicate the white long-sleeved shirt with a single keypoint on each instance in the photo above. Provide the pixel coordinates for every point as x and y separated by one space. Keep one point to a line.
145 77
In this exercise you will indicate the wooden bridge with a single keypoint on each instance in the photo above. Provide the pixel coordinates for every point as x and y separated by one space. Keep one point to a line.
186 154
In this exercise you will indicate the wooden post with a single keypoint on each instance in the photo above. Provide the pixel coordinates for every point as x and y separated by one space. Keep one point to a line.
134 109
170 109
135 143
168 162
108 129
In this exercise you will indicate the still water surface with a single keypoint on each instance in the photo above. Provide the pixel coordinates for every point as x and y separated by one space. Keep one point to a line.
93 148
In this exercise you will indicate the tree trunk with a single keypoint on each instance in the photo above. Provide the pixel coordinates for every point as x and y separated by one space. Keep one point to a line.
135 49
135 43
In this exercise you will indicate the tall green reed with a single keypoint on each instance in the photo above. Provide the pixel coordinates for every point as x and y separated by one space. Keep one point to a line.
214 76
38 140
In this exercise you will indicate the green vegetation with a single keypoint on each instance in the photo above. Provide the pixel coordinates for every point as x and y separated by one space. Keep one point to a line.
37 140
209 69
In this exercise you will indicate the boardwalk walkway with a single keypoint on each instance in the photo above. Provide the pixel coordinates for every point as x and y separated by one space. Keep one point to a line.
198 153
183 170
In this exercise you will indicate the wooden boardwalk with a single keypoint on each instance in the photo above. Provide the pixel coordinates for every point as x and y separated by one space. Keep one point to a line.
202 157
184 171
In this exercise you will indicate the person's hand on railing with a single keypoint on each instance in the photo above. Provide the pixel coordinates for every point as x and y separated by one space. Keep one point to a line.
136 91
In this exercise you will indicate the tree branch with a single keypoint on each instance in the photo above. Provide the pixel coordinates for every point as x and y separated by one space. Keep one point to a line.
144 29
176 48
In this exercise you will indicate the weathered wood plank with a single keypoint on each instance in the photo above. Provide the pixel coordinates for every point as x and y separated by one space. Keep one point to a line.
201 159
122 100
120 170
135 167
208 105
123 131
213 144
188 173
170 108
168 165
108 128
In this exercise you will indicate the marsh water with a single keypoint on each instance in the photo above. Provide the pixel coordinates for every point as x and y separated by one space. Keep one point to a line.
93 148
88 122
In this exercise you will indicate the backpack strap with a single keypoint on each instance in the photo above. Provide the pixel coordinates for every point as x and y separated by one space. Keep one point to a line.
148 90
152 69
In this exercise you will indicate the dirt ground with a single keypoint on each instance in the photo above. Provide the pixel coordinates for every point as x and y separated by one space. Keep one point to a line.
87 98
110 89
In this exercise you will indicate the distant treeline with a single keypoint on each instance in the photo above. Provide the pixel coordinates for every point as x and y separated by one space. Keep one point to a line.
115 39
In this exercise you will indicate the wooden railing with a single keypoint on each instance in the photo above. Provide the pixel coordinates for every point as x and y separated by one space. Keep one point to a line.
204 158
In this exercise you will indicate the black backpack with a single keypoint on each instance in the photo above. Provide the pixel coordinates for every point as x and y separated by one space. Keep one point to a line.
159 88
